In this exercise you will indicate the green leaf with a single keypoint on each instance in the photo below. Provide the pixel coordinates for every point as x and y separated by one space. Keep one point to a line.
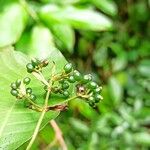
10 31
144 68
107 6
41 42
142 138
64 36
116 91
85 19
17 122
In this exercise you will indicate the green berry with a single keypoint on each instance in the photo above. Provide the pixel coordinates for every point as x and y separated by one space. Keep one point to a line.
97 90
32 97
77 75
66 94
92 85
28 90
65 85
97 98
13 86
30 68
18 82
68 68
91 98
87 78
91 103
26 80
14 92
71 79
35 62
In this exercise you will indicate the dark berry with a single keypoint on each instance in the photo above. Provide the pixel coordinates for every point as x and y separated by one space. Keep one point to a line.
65 85
97 98
14 92
26 80
35 62
91 103
97 90
71 79
91 98
30 68
68 68
66 94
32 97
77 75
87 78
92 85
13 86
28 90
18 82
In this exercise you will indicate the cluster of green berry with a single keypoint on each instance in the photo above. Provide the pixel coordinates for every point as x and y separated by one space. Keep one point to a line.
58 83
36 65
19 90
85 87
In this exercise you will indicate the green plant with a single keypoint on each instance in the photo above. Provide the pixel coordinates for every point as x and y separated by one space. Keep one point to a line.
56 84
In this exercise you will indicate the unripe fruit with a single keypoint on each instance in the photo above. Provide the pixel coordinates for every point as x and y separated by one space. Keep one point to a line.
35 62
65 85
97 90
30 68
97 98
77 75
91 103
71 79
32 97
92 85
28 90
18 82
14 92
68 68
91 98
26 80
87 78
13 86
66 94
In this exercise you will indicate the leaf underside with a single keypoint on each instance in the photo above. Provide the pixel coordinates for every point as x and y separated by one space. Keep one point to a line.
17 122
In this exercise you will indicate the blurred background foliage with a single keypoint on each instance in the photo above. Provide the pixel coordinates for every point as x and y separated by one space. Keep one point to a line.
109 38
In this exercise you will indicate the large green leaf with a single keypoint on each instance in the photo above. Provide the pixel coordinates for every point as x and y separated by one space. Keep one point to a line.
12 22
86 19
17 122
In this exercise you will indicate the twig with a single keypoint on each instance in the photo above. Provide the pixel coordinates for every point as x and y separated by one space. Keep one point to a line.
58 137
39 122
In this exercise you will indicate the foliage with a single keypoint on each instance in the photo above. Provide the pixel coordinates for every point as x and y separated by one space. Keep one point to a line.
109 38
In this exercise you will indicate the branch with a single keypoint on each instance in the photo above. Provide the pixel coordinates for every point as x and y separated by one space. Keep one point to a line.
39 122
58 137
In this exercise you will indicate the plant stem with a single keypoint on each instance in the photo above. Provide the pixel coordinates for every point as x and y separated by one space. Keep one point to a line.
34 104
58 137
39 121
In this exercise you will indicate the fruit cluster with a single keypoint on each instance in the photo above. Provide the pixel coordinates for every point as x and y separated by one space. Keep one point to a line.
36 65
19 90
85 88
